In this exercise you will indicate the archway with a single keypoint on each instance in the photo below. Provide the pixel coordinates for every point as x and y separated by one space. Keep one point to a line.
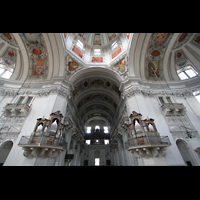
4 151
186 152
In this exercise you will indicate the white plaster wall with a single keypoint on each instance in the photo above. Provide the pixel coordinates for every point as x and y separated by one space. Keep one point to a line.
149 106
193 110
4 101
41 106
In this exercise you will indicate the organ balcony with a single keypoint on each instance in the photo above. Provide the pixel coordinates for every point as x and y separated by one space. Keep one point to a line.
15 109
144 139
173 109
47 139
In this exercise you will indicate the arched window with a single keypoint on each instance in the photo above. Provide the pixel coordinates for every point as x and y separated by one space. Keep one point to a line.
97 127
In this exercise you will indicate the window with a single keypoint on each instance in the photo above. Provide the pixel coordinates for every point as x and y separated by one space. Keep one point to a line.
88 129
97 161
105 129
186 73
97 141
29 100
114 44
97 127
182 76
79 44
191 73
106 141
168 100
198 98
87 142
197 95
20 100
5 72
97 51
161 100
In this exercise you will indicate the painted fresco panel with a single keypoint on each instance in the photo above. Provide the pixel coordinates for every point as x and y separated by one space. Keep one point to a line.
97 59
77 51
153 68
111 36
97 39
121 66
161 38
72 65
83 35
116 52
32 38
38 67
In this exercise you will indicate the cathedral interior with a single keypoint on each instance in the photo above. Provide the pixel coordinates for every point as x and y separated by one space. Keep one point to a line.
99 99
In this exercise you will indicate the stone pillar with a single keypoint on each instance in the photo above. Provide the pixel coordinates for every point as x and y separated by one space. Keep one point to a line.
120 150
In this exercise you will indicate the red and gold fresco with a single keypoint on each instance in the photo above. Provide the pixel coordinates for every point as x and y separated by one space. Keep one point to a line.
8 35
128 35
72 65
77 51
11 53
161 38
121 66
37 51
38 67
97 59
116 52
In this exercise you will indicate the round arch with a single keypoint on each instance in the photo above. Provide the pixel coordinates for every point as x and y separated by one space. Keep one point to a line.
5 149
186 152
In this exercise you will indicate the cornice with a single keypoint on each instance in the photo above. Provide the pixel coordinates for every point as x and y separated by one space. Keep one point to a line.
154 92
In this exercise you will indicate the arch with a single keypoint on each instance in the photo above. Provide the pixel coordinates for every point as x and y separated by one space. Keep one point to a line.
132 50
186 152
5 149
100 72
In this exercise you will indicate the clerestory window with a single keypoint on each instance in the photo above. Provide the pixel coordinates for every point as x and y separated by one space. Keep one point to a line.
187 73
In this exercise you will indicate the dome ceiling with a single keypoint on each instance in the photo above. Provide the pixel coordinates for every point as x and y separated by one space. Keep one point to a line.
97 40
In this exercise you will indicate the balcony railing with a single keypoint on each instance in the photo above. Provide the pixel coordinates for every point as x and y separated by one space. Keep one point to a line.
147 141
173 109
43 141
14 109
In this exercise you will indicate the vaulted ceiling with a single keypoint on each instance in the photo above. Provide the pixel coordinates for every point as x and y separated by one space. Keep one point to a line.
98 68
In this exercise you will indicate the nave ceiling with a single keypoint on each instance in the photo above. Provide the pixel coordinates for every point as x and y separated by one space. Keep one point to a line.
97 74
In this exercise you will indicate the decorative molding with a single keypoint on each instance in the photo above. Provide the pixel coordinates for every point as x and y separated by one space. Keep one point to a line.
11 42
178 44
54 90
151 92
43 56
161 49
